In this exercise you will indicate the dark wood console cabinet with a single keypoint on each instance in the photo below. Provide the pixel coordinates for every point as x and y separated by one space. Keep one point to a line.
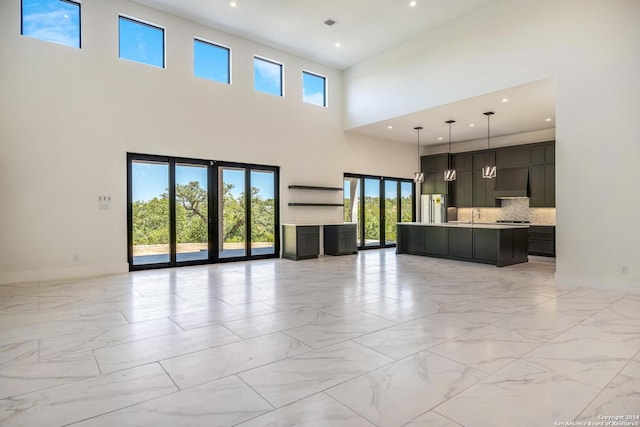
340 239
300 241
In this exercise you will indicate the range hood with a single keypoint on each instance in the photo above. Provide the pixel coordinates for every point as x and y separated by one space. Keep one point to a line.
512 182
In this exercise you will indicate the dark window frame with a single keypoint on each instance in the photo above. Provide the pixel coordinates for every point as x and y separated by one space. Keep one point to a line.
75 3
324 87
220 46
270 61
361 223
146 24
213 166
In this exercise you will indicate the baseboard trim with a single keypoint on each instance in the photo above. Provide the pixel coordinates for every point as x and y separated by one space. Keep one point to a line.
601 283
62 273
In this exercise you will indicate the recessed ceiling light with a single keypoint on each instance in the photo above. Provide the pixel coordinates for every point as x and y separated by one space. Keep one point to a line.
413 3
548 119
472 124
389 127
505 100
233 4
440 138
338 44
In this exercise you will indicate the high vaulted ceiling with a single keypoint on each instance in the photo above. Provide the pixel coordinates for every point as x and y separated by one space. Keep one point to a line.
365 28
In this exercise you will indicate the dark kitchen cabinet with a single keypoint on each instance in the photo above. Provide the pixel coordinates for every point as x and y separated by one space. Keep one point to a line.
300 241
498 246
435 240
433 168
483 188
462 187
513 157
543 154
421 240
542 240
340 239
414 239
460 242
471 190
542 176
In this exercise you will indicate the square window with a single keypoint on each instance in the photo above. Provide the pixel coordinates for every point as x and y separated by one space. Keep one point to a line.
314 89
141 42
211 61
267 76
56 21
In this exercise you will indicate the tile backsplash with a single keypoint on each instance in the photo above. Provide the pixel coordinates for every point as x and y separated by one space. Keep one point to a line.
512 209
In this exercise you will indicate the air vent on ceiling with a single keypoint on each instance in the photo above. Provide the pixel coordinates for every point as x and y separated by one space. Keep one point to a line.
329 22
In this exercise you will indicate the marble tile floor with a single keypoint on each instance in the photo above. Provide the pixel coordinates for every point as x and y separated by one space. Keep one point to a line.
373 339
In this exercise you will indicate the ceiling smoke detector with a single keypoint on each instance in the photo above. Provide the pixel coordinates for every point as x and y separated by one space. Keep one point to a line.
329 22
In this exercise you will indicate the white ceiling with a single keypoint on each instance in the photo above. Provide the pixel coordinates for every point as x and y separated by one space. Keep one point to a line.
526 110
364 29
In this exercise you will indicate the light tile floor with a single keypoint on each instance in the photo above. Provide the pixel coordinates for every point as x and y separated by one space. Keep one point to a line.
368 339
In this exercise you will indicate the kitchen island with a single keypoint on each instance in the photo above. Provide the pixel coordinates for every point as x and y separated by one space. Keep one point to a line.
496 244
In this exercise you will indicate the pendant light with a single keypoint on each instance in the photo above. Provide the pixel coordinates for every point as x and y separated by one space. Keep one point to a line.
418 177
489 171
449 174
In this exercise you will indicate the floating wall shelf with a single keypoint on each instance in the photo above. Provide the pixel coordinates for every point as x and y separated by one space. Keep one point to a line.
313 187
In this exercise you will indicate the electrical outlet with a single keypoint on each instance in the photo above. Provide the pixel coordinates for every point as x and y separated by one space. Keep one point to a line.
625 269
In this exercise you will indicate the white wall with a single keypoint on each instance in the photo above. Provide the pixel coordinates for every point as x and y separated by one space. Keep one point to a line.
68 117
592 49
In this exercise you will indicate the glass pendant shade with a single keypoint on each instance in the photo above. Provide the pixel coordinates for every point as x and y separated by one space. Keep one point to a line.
418 177
450 175
489 171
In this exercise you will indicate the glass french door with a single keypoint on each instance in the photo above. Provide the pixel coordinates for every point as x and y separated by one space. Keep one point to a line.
372 213
391 211
263 212
150 232
189 211
376 204
233 213
351 203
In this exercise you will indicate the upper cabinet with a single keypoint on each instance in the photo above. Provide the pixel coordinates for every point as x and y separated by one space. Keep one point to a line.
483 188
542 176
543 154
462 187
433 168
471 190
513 157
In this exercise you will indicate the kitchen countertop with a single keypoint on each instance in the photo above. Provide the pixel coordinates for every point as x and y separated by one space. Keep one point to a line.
492 225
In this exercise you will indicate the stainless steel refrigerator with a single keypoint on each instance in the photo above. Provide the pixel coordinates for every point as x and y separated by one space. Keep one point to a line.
433 208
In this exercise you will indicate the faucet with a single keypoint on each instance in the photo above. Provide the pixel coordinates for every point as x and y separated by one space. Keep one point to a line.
473 212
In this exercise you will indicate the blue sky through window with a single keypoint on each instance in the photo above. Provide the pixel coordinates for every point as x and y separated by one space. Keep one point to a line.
371 188
149 180
267 76
152 179
54 21
141 42
314 89
406 189
211 61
